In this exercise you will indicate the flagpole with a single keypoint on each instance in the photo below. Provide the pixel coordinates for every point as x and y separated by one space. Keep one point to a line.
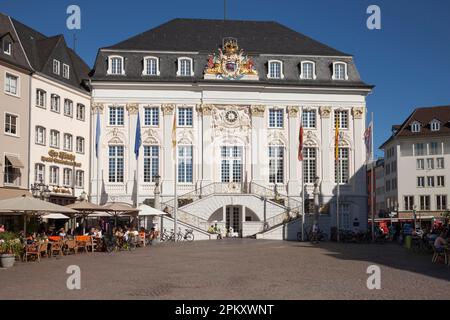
174 146
97 153
336 155
372 189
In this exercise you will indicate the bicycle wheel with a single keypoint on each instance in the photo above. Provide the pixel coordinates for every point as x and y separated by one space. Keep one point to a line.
189 237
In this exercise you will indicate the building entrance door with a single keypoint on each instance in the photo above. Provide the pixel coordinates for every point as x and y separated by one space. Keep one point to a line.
234 219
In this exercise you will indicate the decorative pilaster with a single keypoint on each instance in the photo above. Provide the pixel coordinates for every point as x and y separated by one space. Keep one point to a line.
168 109
259 159
207 151
97 107
325 112
257 110
357 112
205 109
132 108
294 168
292 111
167 172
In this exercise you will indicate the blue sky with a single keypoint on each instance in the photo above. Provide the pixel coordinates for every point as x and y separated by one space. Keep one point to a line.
408 59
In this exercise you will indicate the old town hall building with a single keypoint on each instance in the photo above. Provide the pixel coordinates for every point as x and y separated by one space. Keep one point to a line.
237 93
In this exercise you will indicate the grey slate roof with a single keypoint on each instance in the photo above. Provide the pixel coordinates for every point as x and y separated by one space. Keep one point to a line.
261 40
41 50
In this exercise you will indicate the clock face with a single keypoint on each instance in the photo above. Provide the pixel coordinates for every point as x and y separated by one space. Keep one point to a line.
231 116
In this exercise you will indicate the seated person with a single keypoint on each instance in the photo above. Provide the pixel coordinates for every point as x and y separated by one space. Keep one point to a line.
440 242
211 229
62 233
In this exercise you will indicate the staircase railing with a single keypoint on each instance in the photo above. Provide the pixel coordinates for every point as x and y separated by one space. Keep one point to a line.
186 217
274 193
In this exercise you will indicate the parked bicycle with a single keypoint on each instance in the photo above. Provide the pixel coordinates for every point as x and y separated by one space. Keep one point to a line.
167 235
187 236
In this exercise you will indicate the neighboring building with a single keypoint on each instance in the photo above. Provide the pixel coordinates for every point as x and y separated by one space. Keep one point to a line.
14 112
417 157
56 106
238 117
376 198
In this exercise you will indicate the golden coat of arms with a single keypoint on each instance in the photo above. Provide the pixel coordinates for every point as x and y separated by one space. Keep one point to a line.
230 63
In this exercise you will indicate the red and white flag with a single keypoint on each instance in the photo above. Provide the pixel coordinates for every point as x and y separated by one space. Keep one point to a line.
300 144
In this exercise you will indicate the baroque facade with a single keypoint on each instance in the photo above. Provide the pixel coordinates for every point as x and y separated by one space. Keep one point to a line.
238 115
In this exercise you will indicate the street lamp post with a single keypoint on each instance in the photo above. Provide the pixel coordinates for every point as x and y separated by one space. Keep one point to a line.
40 190
157 192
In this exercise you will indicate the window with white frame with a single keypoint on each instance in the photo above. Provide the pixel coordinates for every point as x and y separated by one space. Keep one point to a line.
54 176
11 175
56 66
79 179
420 164
441 202
39 172
421 182
67 177
66 71
80 145
81 111
309 119
11 123
11 84
151 66
340 71
185 116
68 142
308 70
440 163
40 135
54 139
116 164
419 149
276 118
231 163
41 96
435 125
276 164
440 181
434 148
55 102
409 203
151 116
275 70
430 182
425 203
115 65
151 163
416 127
185 161
430 164
185 67
7 47
116 116
309 165
343 163
341 118
68 107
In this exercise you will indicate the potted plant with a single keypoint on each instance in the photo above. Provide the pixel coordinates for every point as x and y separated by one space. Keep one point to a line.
10 247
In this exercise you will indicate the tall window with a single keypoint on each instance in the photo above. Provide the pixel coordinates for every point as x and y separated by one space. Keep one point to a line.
231 165
440 181
151 116
116 116
11 174
79 179
441 202
11 83
80 145
275 118
185 67
430 182
11 124
185 164
55 101
68 141
54 139
420 164
343 163
40 135
56 66
425 203
116 163
440 163
419 149
434 148
66 71
185 116
116 65
340 71
81 111
430 164
307 70
420 182
151 163
309 164
309 119
67 177
41 98
341 117
151 66
68 107
54 176
276 164
39 172
409 203
275 70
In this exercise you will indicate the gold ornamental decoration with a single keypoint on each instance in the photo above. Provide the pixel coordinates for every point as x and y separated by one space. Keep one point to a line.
61 157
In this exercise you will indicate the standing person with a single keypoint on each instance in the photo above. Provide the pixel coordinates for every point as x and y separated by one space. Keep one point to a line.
440 242
315 231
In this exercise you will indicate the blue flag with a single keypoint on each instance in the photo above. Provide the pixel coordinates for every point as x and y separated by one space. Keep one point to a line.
97 134
137 139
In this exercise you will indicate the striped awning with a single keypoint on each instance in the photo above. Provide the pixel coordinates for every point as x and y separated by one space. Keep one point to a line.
15 161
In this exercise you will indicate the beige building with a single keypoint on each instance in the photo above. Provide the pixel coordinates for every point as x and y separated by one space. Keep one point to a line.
417 158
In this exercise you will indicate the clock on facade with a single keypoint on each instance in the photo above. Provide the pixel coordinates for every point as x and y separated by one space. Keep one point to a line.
231 116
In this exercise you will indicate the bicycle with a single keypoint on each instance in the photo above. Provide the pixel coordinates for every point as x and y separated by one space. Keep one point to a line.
167 236
187 236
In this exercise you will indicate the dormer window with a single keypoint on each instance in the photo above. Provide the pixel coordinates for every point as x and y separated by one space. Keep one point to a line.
115 65
308 70
56 66
275 70
415 127
7 47
435 125
340 71
66 71
185 67
151 66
